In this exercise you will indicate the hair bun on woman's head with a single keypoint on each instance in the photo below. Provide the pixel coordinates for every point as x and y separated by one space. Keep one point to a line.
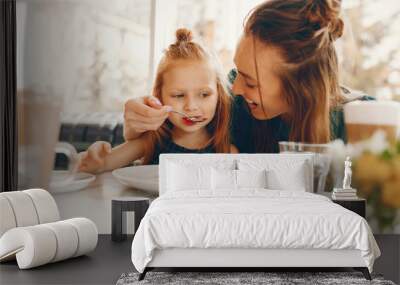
183 35
325 14
336 29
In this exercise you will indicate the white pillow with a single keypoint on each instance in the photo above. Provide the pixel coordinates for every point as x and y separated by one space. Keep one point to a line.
282 174
185 177
236 179
294 180
223 179
251 178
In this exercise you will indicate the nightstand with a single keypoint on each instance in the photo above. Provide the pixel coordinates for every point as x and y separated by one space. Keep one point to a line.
356 205
119 206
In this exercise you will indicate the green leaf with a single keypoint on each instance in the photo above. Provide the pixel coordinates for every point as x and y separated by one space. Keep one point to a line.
386 155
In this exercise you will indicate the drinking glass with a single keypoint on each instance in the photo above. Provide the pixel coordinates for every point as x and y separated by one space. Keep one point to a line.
322 160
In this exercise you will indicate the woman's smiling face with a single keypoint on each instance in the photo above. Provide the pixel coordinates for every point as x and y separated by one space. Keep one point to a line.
248 85
190 86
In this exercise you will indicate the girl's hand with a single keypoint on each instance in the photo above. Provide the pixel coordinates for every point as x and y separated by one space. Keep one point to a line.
143 114
94 159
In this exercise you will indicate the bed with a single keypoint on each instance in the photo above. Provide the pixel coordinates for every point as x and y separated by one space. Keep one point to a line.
246 211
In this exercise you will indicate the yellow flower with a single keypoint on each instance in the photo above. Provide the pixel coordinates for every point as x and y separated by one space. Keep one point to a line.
391 193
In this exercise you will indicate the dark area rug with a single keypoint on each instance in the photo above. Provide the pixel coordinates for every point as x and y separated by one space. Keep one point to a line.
231 278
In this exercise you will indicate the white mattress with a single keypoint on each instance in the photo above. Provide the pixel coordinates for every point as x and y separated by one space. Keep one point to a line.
252 218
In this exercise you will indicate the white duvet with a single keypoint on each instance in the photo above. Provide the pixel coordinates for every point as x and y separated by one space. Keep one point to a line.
253 218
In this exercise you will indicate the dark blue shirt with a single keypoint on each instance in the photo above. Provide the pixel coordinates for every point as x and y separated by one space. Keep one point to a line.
168 146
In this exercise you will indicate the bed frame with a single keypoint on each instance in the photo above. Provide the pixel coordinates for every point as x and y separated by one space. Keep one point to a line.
250 259
240 259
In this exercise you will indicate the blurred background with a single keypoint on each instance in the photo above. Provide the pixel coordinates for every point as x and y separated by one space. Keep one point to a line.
78 61
97 54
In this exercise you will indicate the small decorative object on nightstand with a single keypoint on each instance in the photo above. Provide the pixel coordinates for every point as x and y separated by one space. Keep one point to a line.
356 205
120 205
347 196
347 192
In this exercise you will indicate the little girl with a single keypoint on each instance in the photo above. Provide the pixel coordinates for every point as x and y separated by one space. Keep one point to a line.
188 80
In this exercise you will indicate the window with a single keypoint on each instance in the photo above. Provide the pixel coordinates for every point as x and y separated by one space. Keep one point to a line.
92 53
370 48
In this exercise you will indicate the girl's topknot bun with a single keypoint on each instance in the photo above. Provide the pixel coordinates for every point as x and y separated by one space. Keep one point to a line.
183 35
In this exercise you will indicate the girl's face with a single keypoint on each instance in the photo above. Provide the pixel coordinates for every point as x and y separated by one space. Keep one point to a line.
190 87
269 87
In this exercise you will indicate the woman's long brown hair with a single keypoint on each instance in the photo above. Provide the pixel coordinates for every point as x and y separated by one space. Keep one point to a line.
304 32
185 49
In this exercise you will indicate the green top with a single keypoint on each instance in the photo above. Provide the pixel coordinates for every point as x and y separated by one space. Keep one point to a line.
244 125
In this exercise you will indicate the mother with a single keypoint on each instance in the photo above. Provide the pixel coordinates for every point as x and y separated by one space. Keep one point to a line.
286 83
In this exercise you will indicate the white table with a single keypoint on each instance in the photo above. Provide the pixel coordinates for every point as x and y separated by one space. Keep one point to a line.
94 201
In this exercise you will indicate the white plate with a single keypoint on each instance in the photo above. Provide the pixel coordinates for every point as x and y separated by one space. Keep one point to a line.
142 177
61 182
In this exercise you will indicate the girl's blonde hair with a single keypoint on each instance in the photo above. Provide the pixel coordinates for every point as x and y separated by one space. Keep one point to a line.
304 32
185 49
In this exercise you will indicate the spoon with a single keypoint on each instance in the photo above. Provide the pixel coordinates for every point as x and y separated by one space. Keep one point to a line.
190 118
